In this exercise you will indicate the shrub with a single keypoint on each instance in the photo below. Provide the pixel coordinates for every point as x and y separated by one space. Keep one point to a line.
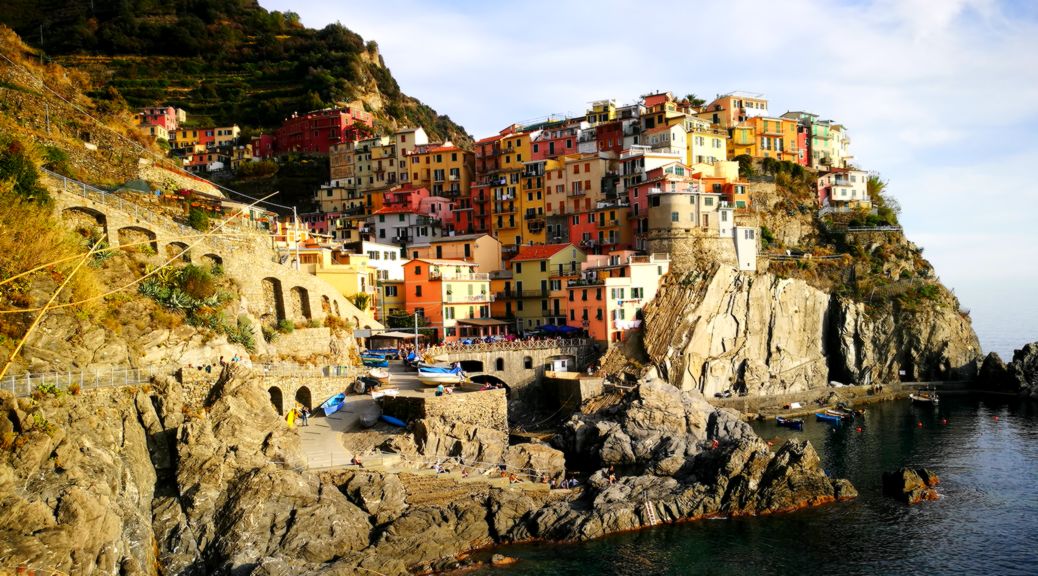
336 324
74 389
197 282
269 334
285 326
361 300
198 219
242 333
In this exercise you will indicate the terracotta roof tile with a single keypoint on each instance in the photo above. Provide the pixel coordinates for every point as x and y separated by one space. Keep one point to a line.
539 252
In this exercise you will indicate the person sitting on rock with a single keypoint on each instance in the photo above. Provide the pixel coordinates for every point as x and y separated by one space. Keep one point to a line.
513 479
356 461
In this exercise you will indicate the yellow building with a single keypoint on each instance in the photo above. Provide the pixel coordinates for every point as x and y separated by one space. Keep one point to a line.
601 111
764 137
539 276
573 183
444 169
483 250
532 203
705 143
348 273
506 218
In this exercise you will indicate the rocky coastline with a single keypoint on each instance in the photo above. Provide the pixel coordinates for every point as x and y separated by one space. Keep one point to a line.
137 481
1019 376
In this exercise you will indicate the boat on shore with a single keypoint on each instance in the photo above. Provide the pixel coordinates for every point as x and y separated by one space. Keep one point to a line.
374 360
791 423
333 404
380 374
434 375
925 398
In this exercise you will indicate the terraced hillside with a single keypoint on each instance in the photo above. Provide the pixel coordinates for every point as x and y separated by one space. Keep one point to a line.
224 61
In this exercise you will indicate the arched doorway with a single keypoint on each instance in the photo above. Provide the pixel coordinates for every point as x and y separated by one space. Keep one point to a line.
87 219
472 365
499 364
212 259
335 306
276 399
303 397
494 380
273 300
300 303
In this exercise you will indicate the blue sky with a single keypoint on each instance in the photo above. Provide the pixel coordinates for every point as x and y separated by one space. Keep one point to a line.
940 97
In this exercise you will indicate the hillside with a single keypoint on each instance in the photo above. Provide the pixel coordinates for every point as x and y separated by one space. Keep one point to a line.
224 61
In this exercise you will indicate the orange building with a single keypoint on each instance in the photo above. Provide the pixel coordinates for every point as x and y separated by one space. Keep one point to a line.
449 294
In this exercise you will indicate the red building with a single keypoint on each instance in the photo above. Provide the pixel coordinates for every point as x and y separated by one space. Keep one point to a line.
165 116
315 132
555 140
610 136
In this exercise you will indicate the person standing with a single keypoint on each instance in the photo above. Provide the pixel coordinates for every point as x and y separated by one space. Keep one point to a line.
306 416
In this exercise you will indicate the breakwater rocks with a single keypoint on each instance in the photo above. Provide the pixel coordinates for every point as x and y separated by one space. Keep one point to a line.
911 485
1019 376
129 480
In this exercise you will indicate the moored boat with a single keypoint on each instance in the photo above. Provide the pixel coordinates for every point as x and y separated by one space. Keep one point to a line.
333 404
842 414
792 423
437 378
826 417
374 360
924 398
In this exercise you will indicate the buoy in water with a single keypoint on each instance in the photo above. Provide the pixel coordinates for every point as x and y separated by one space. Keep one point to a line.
944 421
919 424
859 429
996 418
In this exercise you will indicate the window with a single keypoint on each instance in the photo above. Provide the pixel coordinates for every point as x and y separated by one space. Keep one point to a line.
572 313
499 364
674 217
417 270
448 312
750 235
418 290
518 267
637 293
527 362
390 291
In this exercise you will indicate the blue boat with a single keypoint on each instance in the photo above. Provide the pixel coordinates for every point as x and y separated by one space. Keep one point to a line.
333 404
830 418
438 369
392 420
792 423
374 361
390 353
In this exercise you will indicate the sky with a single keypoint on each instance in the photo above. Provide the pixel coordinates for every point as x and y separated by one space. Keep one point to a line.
939 96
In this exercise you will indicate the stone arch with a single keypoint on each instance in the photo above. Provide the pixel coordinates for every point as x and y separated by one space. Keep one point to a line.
82 217
304 397
499 364
136 234
276 399
300 303
212 259
273 300
335 306
356 322
490 379
472 365
174 248
528 362
326 305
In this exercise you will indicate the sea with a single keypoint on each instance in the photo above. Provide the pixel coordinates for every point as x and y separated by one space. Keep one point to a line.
984 449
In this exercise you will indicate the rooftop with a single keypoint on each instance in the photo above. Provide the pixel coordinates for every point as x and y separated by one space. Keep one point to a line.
541 252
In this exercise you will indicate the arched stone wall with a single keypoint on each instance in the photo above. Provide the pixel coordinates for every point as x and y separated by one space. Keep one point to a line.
273 301
174 248
277 399
135 234
82 217
304 397
212 259
300 303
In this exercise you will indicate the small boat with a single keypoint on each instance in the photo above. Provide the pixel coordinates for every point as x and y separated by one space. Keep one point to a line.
388 353
841 413
437 378
392 420
333 404
925 398
826 417
374 361
380 374
792 423
444 368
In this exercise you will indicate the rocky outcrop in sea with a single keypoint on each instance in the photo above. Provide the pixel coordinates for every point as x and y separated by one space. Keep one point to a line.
1020 376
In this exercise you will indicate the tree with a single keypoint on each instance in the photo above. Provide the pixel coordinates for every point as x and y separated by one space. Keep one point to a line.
361 300
694 100
198 219
887 207
745 165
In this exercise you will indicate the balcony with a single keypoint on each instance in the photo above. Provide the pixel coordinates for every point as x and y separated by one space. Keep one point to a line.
533 216
453 177
440 274
580 192
530 293
466 298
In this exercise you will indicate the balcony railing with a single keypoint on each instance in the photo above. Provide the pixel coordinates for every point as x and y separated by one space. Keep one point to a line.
440 274
466 298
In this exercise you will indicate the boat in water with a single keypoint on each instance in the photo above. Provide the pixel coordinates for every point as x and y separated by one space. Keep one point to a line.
826 417
792 423
929 398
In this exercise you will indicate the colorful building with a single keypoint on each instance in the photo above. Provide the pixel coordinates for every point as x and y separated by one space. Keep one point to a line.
732 109
450 294
843 189
608 298
317 131
539 276
483 250
766 137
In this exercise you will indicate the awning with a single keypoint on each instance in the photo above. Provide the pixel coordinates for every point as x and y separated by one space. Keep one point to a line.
484 322
397 335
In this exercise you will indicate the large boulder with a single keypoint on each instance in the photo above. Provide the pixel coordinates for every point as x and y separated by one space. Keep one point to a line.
910 485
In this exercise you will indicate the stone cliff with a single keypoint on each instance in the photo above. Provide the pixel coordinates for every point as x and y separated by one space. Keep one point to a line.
717 329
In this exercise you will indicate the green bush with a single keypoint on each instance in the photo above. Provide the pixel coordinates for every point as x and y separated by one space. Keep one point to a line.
767 236
269 334
18 165
285 326
198 219
197 282
242 333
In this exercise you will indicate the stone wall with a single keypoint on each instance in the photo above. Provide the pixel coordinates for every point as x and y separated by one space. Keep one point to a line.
485 408
285 391
515 373
573 388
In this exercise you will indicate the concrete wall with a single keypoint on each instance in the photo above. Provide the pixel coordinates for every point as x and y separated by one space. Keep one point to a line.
248 259
572 388
485 408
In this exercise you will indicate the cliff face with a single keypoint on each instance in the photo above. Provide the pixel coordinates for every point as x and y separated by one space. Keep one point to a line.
719 329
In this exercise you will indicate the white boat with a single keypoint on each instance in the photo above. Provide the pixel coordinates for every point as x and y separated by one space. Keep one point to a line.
925 398
380 374
437 378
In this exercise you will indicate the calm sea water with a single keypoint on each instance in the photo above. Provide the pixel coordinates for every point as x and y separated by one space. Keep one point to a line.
986 521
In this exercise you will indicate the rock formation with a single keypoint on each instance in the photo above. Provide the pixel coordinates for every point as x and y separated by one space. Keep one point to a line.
1019 376
911 486
717 329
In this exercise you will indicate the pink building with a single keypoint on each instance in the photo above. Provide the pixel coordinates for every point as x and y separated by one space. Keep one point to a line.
406 197
554 141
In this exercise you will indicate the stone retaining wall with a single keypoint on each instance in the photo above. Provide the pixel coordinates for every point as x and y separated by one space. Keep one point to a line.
485 408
